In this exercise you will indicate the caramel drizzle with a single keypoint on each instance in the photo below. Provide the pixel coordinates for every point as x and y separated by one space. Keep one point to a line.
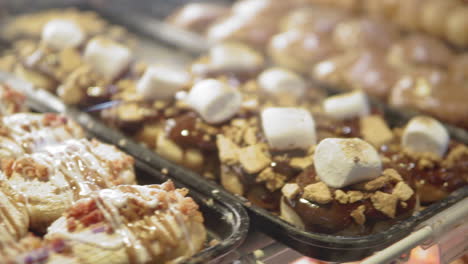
139 249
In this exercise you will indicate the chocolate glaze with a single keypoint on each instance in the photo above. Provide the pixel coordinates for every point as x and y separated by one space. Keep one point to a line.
443 179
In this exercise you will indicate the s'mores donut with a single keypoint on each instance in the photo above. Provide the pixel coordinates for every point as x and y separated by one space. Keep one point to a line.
71 53
130 223
423 153
53 178
348 190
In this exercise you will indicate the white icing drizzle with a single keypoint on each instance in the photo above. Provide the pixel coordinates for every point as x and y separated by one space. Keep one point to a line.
27 133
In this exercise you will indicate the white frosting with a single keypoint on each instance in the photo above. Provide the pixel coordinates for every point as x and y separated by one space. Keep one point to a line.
62 33
107 57
288 128
215 101
279 81
161 82
345 106
425 135
340 162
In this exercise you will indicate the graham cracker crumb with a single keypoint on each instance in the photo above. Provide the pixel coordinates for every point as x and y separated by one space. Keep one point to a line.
301 162
355 196
455 155
273 181
358 215
425 164
253 159
290 190
372 185
317 192
375 131
392 174
348 197
250 137
403 191
385 203
403 204
341 197
228 151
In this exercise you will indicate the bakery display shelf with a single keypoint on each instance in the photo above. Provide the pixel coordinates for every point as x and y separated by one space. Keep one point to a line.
317 245
226 221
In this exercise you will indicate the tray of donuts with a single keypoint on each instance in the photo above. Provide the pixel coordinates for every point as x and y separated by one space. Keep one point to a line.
66 197
409 54
333 176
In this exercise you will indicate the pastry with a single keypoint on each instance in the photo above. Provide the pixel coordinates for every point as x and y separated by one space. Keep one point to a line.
68 52
130 223
12 101
315 19
29 132
53 178
196 17
14 214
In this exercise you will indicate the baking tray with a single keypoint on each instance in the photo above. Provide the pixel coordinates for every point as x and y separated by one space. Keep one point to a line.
321 246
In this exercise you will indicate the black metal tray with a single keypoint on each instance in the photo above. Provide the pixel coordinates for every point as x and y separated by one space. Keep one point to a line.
321 246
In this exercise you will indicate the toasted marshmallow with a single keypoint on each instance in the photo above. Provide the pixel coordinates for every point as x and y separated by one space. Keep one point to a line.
214 101
62 33
340 162
161 82
278 82
234 56
348 105
425 135
288 128
107 57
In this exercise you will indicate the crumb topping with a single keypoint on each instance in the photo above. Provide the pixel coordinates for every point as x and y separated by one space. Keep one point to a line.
349 196
273 181
302 162
403 191
253 158
228 150
385 203
358 215
317 192
290 190
375 130
455 155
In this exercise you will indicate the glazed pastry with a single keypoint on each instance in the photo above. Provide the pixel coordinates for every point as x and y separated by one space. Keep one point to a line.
360 196
14 214
196 17
455 26
434 15
315 19
33 250
11 101
419 50
27 132
52 179
371 73
132 224
406 15
432 92
331 71
382 8
433 163
252 21
299 50
363 33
